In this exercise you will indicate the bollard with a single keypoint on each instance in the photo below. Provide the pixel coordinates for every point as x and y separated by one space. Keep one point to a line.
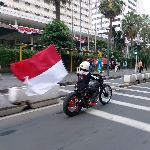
12 94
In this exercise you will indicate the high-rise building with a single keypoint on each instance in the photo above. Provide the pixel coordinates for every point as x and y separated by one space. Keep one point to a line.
101 24
37 13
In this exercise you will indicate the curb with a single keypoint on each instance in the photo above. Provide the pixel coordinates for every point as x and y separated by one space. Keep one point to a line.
73 82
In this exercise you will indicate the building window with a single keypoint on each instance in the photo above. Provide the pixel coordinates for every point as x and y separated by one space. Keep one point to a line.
36 6
45 1
16 9
26 3
46 17
16 1
54 12
46 9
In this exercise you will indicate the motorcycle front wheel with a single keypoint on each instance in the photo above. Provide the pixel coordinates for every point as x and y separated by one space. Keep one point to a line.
71 104
105 94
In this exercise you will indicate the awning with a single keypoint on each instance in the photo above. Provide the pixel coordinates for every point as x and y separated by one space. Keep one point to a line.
104 60
21 29
78 39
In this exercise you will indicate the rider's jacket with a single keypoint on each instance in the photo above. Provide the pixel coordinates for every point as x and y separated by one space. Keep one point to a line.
84 79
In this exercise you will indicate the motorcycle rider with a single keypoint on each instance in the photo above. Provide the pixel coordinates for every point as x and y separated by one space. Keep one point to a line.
84 79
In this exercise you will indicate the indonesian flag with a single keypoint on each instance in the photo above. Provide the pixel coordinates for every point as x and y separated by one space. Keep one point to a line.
40 72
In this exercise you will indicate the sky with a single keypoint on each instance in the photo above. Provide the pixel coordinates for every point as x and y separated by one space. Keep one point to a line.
147 7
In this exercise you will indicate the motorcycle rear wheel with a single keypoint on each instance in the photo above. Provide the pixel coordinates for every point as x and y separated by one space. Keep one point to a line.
71 104
105 94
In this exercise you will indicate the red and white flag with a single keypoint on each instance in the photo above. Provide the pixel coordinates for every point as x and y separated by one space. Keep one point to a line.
40 72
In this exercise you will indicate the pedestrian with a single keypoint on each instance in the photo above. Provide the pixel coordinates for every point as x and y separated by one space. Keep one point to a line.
140 66
95 64
91 64
125 64
0 74
118 65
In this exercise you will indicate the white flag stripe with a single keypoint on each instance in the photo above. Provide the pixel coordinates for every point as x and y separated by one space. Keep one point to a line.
130 105
119 119
134 96
134 90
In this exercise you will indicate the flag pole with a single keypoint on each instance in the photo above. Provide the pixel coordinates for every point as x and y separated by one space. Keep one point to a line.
89 28
80 24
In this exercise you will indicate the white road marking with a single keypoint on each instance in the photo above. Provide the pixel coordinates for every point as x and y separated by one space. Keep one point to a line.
63 90
33 110
114 83
130 105
140 87
119 119
134 96
107 82
135 90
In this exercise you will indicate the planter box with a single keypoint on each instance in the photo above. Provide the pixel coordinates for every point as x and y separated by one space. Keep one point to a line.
129 79
17 95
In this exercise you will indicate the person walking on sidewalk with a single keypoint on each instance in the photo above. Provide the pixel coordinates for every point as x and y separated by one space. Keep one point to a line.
125 64
140 66
116 66
0 74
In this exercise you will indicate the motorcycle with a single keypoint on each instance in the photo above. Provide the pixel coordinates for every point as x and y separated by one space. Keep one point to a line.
78 99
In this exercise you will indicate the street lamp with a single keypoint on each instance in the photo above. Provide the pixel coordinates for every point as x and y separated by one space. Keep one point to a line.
108 49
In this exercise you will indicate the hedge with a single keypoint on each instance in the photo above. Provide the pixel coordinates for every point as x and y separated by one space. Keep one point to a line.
8 56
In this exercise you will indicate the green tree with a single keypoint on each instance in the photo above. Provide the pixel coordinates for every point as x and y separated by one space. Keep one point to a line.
58 33
131 25
144 32
118 38
57 5
110 9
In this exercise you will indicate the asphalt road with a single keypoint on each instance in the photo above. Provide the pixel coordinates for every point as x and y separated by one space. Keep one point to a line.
123 124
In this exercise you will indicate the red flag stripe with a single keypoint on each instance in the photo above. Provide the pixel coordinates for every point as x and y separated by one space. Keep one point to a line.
37 64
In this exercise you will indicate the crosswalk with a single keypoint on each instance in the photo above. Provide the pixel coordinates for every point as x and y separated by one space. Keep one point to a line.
129 106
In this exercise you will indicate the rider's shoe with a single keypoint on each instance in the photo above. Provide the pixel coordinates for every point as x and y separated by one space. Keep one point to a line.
92 103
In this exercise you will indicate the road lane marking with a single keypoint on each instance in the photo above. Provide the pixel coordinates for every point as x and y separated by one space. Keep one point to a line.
142 87
134 90
32 110
119 119
66 91
130 105
134 96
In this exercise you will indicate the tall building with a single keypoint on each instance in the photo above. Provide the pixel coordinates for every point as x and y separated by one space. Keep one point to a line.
101 24
37 13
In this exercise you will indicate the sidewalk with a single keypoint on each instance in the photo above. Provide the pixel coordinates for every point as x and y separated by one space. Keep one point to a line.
72 77
8 80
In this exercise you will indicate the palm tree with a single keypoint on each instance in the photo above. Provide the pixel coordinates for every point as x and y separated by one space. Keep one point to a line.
57 5
131 25
110 9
